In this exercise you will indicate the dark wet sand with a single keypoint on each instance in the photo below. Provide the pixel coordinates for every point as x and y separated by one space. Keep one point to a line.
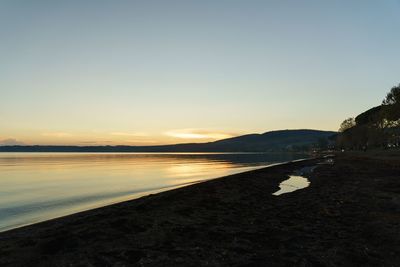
349 216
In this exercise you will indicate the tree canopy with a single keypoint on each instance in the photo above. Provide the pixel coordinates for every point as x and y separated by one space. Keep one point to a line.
347 124
370 116
393 97
376 127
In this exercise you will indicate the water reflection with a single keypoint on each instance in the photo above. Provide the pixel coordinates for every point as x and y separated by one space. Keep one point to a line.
292 184
39 186
296 181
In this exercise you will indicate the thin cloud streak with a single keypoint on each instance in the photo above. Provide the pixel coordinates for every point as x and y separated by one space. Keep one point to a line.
138 134
57 134
199 134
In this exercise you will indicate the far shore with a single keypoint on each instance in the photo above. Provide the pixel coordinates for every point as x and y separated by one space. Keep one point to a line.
348 216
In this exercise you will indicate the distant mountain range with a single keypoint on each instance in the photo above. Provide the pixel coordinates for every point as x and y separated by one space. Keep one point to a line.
284 140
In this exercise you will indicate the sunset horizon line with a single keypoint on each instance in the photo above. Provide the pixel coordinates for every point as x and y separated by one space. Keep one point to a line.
180 137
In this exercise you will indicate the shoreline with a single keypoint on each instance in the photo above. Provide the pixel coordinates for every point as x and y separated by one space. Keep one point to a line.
232 221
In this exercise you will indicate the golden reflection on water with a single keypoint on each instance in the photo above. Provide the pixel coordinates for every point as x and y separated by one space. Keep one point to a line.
199 168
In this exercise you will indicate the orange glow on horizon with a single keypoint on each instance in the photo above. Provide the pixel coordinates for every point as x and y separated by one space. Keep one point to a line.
132 138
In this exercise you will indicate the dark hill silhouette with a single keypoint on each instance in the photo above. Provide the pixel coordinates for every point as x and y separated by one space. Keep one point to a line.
283 140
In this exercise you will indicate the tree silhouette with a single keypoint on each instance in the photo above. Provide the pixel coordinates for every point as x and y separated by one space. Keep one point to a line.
393 97
347 124
377 127
391 105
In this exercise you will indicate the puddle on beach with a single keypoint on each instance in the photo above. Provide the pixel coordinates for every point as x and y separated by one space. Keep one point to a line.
295 182
292 184
298 180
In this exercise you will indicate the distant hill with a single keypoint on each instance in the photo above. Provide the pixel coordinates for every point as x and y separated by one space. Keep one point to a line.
284 140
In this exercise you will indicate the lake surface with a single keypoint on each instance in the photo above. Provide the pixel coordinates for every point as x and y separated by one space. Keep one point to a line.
39 186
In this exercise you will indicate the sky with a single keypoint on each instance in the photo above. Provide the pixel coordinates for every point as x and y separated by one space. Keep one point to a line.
160 72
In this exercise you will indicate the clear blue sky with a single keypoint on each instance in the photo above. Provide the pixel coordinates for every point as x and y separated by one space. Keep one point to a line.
151 72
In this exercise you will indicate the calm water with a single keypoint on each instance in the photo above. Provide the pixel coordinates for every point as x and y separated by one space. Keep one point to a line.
40 186
298 180
292 184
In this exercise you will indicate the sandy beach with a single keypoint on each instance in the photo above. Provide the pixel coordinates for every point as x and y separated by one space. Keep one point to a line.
348 216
